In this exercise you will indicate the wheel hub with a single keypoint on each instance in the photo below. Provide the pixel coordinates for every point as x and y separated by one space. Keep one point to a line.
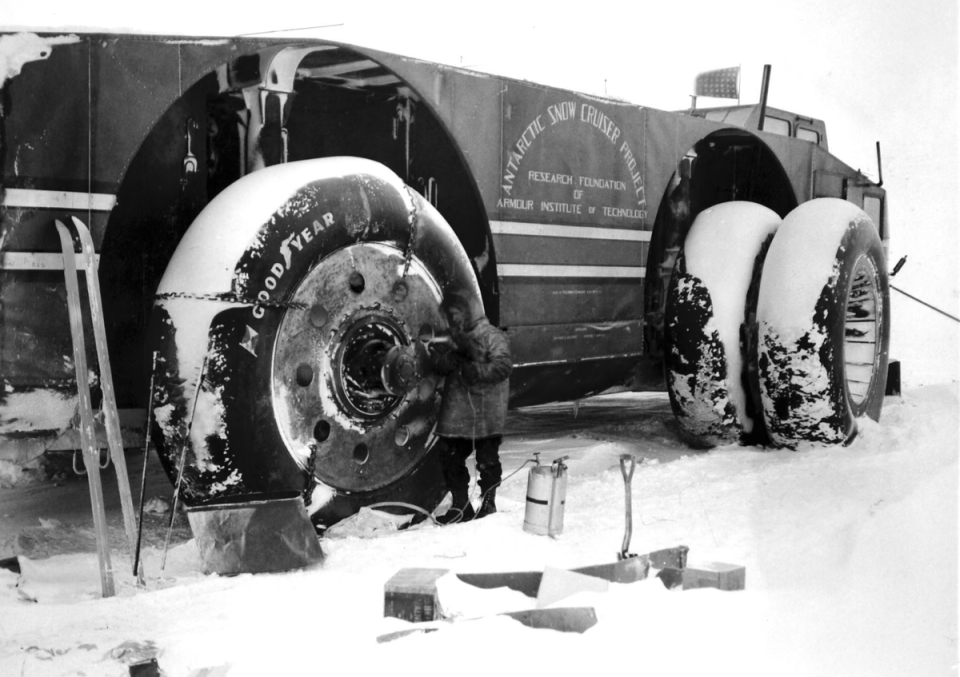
360 364
862 330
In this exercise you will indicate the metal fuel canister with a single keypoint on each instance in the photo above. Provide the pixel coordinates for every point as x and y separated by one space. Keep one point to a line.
546 498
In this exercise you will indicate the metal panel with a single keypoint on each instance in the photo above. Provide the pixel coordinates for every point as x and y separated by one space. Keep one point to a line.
668 137
551 344
567 158
539 300
134 82
46 122
34 328
531 250
828 185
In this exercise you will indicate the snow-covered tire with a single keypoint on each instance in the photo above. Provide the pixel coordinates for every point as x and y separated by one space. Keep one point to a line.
824 324
301 293
711 296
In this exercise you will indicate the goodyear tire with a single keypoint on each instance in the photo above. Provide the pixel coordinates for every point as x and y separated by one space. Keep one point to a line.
824 324
712 292
287 325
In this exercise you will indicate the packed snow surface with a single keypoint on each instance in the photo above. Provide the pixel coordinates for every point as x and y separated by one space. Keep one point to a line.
850 557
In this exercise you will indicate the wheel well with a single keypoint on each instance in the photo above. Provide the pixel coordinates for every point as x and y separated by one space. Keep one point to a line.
724 166
198 148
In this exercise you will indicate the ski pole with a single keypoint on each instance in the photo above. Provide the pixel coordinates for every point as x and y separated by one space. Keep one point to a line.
183 458
137 570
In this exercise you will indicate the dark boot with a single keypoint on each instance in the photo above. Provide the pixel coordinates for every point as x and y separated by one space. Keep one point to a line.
460 508
487 505
489 472
453 456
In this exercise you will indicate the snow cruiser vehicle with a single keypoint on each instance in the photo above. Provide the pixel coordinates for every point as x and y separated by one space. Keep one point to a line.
271 225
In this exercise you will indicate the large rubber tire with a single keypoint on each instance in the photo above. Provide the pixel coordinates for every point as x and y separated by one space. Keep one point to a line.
299 293
711 294
824 324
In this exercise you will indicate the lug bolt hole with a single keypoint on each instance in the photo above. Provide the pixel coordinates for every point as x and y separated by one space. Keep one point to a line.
318 316
321 431
361 454
402 436
304 375
400 291
356 282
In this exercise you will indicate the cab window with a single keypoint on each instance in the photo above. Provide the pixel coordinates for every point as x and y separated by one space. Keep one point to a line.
808 135
872 205
776 126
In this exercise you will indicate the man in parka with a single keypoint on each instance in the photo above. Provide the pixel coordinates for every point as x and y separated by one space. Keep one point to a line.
477 365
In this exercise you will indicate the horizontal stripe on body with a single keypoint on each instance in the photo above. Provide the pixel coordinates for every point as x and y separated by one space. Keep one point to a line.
563 270
26 198
40 261
543 250
579 232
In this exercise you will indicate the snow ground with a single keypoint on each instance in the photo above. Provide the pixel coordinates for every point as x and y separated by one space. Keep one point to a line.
850 556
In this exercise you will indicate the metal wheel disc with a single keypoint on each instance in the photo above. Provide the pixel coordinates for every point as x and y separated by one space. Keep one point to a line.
335 391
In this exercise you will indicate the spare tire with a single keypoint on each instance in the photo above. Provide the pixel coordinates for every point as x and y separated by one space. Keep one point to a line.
287 325
712 293
824 324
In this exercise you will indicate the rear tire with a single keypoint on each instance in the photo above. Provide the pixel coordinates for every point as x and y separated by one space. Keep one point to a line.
824 324
711 295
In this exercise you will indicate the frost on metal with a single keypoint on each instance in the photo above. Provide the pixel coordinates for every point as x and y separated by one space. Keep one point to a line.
37 409
699 392
22 48
798 391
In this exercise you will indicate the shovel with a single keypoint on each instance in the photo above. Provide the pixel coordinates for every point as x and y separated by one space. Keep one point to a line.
627 464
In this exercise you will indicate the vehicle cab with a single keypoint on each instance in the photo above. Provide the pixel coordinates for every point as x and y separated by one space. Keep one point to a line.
775 121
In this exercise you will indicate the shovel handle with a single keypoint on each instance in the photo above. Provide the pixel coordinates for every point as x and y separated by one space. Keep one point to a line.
627 464
625 460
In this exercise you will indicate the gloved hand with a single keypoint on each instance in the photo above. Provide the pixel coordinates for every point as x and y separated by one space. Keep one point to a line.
446 360
470 372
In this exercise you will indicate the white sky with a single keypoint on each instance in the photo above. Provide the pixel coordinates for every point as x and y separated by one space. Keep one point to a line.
874 70
868 67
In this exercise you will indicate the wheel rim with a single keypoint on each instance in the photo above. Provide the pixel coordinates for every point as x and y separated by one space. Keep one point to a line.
349 382
861 332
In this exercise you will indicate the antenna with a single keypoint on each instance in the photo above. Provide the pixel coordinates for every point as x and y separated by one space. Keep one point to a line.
879 167
764 89
288 30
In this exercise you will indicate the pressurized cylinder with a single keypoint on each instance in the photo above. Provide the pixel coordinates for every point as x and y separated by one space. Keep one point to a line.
546 496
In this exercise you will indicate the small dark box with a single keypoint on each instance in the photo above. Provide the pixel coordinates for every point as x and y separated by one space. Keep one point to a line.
411 594
715 575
